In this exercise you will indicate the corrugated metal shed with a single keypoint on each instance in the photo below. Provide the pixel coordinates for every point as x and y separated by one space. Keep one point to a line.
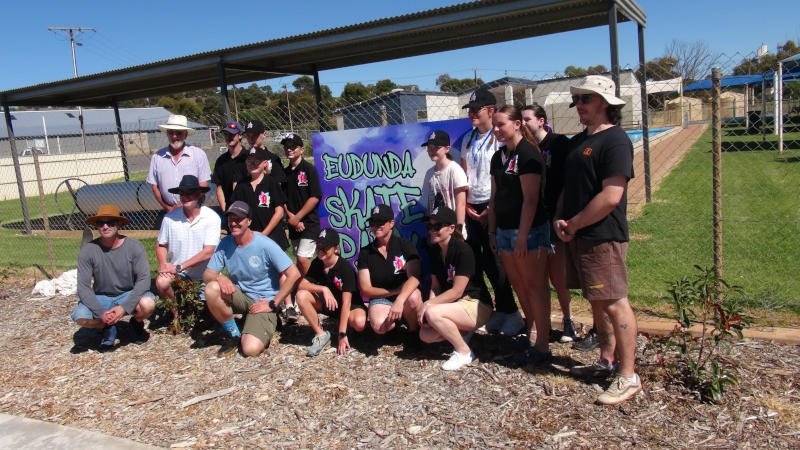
454 27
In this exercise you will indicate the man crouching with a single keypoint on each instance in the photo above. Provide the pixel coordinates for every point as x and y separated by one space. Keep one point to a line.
256 266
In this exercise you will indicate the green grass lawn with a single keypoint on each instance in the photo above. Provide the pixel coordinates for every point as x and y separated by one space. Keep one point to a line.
761 221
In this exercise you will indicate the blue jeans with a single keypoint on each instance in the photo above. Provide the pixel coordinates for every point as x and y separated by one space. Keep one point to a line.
82 311
538 237
382 301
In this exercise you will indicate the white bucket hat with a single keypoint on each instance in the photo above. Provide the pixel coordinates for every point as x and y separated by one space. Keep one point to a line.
176 122
600 85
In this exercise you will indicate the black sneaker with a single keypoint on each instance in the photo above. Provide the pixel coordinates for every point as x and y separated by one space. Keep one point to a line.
291 314
568 335
138 333
534 357
588 343
229 347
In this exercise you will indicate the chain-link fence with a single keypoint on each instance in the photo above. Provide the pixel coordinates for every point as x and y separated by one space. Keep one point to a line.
670 233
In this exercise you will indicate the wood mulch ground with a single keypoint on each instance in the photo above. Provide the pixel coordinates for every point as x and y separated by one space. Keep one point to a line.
380 395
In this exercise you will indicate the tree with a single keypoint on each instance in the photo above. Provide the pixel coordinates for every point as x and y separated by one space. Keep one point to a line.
694 59
442 79
384 86
662 68
355 92
596 70
304 83
447 83
768 62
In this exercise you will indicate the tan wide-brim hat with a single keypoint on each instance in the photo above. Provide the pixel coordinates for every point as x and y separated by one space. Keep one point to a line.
176 122
107 212
600 85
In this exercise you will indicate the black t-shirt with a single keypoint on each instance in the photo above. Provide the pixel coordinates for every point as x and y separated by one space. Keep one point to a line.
263 200
591 160
275 168
340 278
390 272
459 261
228 171
554 148
302 184
523 160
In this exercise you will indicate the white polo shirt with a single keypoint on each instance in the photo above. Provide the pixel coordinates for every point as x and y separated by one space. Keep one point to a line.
185 239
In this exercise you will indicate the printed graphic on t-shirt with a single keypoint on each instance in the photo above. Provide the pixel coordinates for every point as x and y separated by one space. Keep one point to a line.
451 273
512 168
337 281
263 199
302 178
399 264
269 166
254 261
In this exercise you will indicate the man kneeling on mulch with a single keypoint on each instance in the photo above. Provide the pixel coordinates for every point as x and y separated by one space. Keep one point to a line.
113 280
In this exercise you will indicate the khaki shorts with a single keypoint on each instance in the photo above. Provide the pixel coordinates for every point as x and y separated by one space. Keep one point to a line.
477 311
261 325
597 268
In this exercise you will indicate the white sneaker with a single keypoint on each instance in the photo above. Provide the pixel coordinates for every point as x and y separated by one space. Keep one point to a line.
513 324
457 361
495 322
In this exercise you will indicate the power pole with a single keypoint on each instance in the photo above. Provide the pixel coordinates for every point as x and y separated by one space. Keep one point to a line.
71 33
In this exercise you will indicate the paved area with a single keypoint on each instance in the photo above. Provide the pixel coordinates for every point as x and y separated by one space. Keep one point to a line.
22 433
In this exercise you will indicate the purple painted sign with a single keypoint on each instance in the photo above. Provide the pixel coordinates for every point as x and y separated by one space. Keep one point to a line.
361 168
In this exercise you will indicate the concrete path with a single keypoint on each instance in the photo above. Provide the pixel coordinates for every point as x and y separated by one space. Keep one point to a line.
22 433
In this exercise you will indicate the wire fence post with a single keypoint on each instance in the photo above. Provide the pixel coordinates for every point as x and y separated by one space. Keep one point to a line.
12 142
716 169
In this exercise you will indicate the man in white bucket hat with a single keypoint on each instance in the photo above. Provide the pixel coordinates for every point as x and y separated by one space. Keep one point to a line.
170 164
591 220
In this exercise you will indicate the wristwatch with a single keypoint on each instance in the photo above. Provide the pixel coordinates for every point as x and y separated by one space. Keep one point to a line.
272 306
178 268
342 335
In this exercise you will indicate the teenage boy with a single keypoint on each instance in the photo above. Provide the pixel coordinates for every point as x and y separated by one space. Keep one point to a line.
229 168
303 193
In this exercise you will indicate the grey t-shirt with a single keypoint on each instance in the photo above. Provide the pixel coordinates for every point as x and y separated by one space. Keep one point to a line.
114 271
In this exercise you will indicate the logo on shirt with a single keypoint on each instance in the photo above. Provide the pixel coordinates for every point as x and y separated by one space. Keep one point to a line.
512 168
337 281
269 165
263 199
399 264
587 151
254 261
249 125
451 273
302 178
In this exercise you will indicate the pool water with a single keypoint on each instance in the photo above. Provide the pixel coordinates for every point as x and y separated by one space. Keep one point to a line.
636 135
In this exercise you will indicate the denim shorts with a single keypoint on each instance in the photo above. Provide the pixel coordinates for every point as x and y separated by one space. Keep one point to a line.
82 311
538 237
382 301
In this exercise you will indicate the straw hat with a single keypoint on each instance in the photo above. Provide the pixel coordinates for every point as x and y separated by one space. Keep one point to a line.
600 85
176 122
108 211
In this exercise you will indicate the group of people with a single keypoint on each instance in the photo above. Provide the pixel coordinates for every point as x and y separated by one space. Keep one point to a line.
522 207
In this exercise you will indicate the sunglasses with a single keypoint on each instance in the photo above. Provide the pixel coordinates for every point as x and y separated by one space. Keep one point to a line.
475 110
253 162
377 224
436 226
583 98
100 223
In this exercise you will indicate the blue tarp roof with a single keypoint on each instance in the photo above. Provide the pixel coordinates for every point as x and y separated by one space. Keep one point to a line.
739 80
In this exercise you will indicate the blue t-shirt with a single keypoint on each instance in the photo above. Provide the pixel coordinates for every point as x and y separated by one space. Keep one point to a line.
254 268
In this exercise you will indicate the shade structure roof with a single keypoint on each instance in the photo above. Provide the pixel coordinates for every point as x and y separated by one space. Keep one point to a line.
449 28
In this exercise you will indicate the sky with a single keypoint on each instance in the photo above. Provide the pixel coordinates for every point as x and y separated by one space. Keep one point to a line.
136 32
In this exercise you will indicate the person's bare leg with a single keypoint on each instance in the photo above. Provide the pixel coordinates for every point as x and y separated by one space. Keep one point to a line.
623 321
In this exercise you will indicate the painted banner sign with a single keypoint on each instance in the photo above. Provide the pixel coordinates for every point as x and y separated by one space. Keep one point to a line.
361 168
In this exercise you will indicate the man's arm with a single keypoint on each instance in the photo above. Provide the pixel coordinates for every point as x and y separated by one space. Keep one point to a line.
199 257
290 277
157 195
85 275
308 206
141 273
221 197
600 206
277 216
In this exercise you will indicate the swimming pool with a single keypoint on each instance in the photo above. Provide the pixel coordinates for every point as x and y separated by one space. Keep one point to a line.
636 135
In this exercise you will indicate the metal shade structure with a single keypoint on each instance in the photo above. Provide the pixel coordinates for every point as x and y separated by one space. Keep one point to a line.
449 28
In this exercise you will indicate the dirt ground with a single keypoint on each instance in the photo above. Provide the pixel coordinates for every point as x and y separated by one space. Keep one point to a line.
382 394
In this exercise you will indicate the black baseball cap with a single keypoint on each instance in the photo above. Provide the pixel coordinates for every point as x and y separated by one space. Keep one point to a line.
480 98
293 140
239 209
443 215
381 214
254 126
233 127
439 138
258 154
328 237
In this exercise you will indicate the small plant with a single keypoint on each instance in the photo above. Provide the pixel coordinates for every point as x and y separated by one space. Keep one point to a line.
707 300
188 309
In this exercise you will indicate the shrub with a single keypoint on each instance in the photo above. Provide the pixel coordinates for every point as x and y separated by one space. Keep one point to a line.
188 309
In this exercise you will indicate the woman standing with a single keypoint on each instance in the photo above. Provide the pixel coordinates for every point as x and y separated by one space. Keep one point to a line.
456 306
518 225
388 275
554 148
265 197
